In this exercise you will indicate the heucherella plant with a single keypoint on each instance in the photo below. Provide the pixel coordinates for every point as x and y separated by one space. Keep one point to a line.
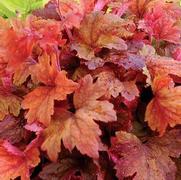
90 89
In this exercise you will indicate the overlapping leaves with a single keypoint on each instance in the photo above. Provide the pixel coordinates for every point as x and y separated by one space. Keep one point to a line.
154 160
79 129
75 74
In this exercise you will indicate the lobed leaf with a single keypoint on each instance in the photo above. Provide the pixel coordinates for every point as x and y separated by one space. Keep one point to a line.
15 163
154 160
40 101
164 108
79 130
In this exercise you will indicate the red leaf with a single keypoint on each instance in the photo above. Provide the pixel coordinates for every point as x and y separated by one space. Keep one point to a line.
20 38
49 11
145 160
70 168
177 54
12 130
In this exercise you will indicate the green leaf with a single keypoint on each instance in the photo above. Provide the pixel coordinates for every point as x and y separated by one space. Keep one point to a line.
10 8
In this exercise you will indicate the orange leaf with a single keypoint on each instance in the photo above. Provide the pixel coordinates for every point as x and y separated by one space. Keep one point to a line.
139 7
55 132
84 133
21 74
164 108
15 163
88 91
103 30
88 102
40 101
9 104
79 129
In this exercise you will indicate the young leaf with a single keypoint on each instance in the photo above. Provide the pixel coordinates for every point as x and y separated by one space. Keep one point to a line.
154 160
11 8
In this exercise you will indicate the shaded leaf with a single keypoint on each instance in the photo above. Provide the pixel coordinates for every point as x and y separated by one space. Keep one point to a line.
127 89
12 130
154 160
9 104
70 168
48 12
